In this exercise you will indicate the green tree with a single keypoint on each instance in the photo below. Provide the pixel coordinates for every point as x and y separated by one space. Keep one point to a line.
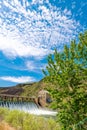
67 70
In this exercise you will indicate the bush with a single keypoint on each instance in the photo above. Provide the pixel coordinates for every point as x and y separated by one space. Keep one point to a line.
16 118
3 113
26 121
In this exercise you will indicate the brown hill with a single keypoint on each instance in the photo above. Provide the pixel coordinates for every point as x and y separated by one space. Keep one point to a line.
27 89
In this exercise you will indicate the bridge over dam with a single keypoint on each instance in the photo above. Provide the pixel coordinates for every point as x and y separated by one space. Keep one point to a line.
24 103
15 98
42 98
6 97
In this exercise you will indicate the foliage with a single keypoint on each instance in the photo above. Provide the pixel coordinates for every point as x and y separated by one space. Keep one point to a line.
15 118
25 121
68 71
3 113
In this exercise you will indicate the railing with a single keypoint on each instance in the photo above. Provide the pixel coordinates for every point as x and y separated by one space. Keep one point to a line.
16 97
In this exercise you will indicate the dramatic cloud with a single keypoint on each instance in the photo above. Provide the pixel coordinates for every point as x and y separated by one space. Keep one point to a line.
30 30
34 28
13 48
22 79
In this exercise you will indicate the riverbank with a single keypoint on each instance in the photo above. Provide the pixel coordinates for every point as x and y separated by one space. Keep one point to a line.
25 121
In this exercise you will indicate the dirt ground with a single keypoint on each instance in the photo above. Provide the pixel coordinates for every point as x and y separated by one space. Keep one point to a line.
5 126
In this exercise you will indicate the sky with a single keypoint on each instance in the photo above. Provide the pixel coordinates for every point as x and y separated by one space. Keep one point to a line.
30 30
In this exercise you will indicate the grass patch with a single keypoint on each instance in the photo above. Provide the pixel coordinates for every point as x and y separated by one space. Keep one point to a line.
25 121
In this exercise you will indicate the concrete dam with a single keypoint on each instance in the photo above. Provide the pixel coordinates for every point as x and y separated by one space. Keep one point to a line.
25 104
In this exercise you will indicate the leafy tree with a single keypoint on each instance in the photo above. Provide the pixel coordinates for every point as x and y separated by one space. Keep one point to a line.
67 70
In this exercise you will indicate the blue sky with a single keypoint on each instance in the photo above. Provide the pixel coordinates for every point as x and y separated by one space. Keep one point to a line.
30 30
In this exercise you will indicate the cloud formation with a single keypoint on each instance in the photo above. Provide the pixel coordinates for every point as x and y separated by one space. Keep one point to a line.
34 28
13 48
22 79
35 66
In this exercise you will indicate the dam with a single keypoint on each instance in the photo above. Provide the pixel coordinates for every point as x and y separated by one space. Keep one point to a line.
25 104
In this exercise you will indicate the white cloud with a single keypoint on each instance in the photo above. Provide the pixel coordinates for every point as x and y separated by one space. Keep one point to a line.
26 31
31 65
22 79
35 66
13 48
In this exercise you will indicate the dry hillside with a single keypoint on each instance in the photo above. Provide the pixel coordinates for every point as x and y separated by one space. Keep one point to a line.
29 89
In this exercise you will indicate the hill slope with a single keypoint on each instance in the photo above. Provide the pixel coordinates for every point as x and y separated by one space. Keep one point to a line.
29 89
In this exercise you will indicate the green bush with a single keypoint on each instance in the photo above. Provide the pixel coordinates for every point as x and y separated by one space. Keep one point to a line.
3 113
16 118
26 121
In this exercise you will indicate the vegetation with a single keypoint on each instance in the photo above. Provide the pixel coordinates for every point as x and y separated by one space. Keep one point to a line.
24 121
66 80
67 70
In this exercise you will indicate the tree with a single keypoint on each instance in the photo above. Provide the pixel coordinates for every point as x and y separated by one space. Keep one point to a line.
67 70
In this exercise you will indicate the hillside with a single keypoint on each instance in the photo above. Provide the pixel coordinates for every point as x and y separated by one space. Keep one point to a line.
29 89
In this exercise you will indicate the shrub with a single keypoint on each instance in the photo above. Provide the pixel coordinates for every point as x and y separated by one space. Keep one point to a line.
3 113
26 121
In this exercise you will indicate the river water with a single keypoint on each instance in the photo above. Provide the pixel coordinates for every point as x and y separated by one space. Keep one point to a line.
29 107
